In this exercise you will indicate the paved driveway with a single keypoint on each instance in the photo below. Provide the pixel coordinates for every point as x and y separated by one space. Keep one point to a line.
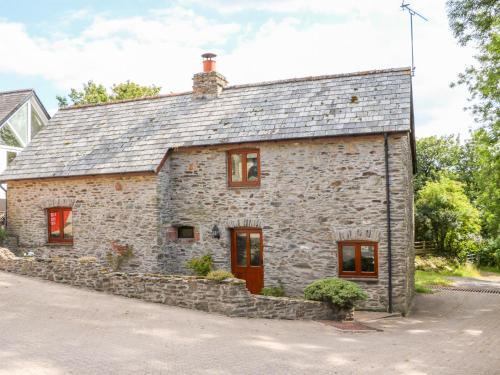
47 328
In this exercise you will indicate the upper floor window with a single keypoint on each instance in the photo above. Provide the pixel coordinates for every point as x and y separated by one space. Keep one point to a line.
60 224
244 168
358 259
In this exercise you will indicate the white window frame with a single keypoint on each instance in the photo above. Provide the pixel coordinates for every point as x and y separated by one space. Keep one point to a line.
37 108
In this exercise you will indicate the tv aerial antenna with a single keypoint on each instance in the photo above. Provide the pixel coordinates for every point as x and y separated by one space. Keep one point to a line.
412 13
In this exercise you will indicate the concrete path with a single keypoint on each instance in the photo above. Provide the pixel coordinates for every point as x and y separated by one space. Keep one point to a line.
48 328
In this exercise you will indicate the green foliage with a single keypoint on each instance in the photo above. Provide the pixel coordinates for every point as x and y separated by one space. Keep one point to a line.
131 90
445 215
436 156
484 153
93 93
340 293
219 275
201 266
119 255
489 254
476 23
273 291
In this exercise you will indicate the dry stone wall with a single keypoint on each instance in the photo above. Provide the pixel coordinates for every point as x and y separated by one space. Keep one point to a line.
229 297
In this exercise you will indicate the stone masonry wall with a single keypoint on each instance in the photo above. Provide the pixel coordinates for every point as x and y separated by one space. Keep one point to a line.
312 194
105 209
229 297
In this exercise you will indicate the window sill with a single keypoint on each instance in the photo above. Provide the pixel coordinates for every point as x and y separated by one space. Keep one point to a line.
55 244
244 187
354 278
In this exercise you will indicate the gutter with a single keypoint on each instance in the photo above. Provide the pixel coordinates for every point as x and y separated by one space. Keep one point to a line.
389 231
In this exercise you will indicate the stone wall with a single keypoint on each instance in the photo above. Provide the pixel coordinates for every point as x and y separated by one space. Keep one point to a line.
311 191
105 209
229 297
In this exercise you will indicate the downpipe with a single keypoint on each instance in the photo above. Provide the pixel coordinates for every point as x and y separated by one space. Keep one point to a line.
389 231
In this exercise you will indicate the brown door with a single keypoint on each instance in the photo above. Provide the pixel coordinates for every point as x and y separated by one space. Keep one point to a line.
247 258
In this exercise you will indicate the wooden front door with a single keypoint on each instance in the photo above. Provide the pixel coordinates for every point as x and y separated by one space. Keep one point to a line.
247 258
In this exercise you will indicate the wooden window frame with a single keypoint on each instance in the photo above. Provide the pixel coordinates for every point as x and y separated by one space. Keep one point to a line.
357 259
244 181
59 210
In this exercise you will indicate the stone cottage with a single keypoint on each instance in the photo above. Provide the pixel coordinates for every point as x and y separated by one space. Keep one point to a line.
284 182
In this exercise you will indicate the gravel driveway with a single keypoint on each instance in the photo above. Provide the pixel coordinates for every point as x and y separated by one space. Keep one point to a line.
47 328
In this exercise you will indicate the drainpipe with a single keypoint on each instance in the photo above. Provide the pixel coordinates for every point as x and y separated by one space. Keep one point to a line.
389 232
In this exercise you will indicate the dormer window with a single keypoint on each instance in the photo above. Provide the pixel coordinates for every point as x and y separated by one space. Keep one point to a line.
244 168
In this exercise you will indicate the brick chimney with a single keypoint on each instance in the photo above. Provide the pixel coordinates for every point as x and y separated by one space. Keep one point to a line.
210 83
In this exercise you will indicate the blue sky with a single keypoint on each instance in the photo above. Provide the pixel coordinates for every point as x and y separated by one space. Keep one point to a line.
54 45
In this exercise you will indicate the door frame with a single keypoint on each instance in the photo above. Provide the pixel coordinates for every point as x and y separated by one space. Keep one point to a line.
247 230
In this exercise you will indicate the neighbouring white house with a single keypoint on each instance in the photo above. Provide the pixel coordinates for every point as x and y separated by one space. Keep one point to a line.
22 116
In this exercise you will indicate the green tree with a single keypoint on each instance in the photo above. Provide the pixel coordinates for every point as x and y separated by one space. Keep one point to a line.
93 93
436 156
445 215
484 176
476 23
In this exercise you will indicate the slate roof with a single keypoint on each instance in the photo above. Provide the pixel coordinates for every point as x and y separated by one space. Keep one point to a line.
134 135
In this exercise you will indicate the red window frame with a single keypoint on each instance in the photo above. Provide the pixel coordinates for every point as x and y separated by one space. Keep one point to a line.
244 180
357 259
60 211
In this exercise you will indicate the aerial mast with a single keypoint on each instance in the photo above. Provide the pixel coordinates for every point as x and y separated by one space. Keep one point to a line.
412 13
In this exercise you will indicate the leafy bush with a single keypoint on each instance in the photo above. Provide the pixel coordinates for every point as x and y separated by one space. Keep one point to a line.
444 214
434 263
119 255
219 275
273 291
489 253
340 293
201 265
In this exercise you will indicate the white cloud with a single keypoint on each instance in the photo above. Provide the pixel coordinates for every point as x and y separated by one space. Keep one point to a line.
163 48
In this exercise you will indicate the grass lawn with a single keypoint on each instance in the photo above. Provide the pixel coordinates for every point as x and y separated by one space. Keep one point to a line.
426 279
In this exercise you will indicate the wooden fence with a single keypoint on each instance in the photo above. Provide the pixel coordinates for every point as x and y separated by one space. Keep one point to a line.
425 247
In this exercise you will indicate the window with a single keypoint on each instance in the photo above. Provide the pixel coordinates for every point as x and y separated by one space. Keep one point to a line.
358 259
36 122
244 168
60 224
185 232
247 247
